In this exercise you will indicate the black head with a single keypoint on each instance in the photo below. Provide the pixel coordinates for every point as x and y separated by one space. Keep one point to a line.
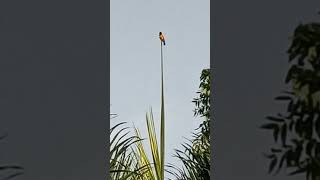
160 33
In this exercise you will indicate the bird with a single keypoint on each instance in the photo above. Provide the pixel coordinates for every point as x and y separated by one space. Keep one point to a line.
161 37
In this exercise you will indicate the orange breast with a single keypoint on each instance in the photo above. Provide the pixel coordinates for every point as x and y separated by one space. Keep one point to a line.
161 37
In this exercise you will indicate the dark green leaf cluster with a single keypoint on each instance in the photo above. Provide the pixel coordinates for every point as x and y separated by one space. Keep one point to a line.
196 154
202 109
202 102
299 127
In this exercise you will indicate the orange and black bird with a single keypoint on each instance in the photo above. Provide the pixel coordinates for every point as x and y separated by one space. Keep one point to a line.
161 37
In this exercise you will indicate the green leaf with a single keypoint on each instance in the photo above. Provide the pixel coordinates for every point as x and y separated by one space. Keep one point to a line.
269 126
272 164
284 134
275 119
283 98
298 171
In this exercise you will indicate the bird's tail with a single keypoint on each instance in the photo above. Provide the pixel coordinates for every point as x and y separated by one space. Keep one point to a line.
164 42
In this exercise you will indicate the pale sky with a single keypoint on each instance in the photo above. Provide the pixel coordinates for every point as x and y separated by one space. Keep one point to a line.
135 63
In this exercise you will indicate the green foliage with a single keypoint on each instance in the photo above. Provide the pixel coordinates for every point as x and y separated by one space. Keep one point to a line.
128 153
123 163
155 168
202 102
134 164
297 131
196 154
129 159
202 109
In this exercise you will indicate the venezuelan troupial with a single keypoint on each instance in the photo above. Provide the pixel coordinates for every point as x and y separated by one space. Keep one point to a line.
161 37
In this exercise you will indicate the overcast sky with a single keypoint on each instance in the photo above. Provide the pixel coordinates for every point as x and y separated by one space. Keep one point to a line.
135 63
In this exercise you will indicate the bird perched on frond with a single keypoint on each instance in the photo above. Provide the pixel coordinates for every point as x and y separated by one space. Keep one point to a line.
161 37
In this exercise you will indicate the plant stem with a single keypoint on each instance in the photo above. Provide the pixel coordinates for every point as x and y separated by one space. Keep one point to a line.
162 128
